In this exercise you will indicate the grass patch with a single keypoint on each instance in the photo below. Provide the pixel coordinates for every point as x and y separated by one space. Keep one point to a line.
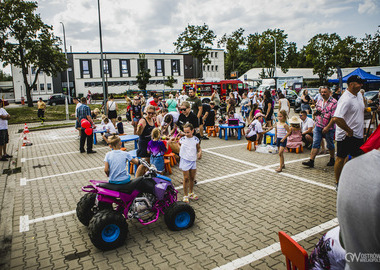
27 114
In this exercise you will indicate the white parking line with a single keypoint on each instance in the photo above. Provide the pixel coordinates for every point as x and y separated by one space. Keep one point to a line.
60 154
231 158
23 181
259 254
25 222
40 144
224 146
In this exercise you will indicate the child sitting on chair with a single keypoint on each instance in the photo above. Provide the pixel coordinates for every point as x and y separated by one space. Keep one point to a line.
119 125
295 137
156 149
255 130
109 128
115 162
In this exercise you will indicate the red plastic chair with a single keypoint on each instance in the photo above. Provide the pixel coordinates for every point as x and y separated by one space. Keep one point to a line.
296 256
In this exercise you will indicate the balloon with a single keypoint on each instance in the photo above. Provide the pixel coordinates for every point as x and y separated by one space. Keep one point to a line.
88 131
86 124
84 119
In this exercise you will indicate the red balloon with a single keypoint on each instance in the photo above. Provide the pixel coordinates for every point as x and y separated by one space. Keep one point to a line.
84 119
88 131
86 124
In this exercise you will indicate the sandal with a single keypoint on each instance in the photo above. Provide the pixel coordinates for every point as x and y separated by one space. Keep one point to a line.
193 196
186 199
279 170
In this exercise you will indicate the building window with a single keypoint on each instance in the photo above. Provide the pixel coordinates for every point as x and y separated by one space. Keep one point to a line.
124 68
175 67
160 68
204 68
35 88
107 67
208 68
216 54
85 67
216 68
42 87
212 68
377 72
142 64
212 54
48 87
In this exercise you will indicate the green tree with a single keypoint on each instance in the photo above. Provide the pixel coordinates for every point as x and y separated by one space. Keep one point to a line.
4 76
320 51
144 73
25 41
371 47
196 39
232 43
262 45
170 82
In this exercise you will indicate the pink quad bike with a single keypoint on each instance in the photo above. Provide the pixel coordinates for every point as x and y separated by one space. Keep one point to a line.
106 207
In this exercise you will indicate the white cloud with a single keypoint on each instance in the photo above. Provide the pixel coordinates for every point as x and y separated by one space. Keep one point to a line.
368 6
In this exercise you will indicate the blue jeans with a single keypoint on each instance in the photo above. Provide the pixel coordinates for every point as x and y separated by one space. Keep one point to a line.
317 138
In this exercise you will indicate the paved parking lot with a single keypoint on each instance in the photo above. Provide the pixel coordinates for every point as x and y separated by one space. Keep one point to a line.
243 204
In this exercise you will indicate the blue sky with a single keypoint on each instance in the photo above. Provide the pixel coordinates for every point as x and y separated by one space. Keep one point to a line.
153 25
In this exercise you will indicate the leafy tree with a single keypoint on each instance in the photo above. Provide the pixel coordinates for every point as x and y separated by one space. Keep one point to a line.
232 43
144 73
196 39
4 76
371 47
320 51
262 45
170 82
25 41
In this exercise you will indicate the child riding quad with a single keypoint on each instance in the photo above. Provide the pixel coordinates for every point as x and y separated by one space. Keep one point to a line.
105 208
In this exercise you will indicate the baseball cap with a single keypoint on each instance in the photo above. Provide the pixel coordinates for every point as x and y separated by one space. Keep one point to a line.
355 78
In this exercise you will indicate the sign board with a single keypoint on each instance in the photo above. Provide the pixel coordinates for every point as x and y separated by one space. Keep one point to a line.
245 77
288 82
234 75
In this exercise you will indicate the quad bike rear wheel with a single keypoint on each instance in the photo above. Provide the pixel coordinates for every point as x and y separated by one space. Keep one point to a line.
179 216
85 207
108 229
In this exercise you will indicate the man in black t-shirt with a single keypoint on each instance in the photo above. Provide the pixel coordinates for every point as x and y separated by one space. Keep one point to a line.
195 104
187 116
205 112
209 119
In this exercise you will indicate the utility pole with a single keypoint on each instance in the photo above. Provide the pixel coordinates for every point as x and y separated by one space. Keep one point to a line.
105 94
67 74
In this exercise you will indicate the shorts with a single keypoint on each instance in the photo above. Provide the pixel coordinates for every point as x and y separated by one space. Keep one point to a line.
136 119
252 138
317 138
187 165
279 143
142 150
304 136
159 162
4 138
112 114
125 181
305 107
349 146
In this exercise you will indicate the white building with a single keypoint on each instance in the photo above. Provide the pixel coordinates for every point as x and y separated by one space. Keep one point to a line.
215 70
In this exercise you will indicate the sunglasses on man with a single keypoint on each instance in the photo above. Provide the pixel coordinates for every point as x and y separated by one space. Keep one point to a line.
183 109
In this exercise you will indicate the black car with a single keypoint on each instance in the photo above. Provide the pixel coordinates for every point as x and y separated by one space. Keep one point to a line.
291 96
58 99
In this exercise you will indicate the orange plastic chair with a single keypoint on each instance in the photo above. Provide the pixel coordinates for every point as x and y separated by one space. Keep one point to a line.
168 169
296 256
299 149
249 145
171 157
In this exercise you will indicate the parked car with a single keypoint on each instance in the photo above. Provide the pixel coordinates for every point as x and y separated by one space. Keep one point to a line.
312 93
58 99
372 98
291 96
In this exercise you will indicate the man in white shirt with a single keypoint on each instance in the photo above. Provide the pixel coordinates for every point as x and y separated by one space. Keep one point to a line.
4 138
252 96
307 126
349 118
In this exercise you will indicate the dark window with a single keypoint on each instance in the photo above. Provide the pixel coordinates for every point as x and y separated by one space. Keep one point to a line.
142 64
175 67
49 87
160 69
124 68
42 86
216 68
212 54
212 68
216 55
107 67
377 72
85 67
35 88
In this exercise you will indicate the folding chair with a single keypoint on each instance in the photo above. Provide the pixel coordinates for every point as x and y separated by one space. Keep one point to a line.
296 256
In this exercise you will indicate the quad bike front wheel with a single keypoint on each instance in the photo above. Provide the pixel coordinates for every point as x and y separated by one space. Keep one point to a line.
179 216
108 229
85 208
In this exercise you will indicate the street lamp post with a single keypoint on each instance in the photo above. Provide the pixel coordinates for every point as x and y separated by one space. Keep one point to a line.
102 61
67 73
275 56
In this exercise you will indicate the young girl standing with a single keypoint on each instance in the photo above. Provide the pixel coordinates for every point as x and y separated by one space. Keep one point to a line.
282 131
189 152
156 149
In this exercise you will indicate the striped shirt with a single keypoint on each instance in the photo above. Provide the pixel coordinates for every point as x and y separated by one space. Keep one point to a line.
281 131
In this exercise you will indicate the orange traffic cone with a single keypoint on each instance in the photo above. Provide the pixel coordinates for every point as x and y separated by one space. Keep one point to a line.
24 141
26 130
